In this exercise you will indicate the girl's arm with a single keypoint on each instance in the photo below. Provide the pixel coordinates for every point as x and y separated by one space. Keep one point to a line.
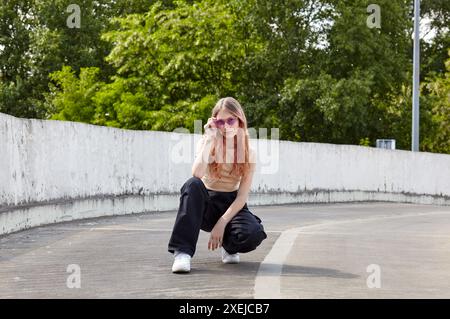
242 196
216 237
203 155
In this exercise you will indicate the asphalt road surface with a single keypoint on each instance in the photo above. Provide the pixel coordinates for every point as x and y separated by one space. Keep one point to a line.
351 250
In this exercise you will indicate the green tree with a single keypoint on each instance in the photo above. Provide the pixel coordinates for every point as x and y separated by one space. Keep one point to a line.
170 63
36 41
437 101
76 104
325 109
14 63
312 68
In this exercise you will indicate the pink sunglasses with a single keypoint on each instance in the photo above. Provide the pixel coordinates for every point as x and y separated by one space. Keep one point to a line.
221 123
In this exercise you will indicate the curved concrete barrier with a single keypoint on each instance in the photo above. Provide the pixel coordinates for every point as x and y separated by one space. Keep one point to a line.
53 171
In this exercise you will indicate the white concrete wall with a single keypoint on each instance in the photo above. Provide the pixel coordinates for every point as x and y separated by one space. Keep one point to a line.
53 171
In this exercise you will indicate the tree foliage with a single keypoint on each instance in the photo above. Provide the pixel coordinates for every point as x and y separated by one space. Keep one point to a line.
314 69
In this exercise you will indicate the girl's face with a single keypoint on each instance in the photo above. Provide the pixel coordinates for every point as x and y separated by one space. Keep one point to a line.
227 123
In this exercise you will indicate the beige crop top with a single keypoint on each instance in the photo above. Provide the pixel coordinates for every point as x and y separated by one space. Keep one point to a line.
227 182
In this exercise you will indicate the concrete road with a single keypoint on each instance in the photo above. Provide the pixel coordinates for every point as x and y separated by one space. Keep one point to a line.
353 250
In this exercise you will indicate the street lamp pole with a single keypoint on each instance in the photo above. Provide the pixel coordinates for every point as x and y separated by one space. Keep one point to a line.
416 82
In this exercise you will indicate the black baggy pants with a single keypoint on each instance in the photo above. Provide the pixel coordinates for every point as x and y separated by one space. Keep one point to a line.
201 208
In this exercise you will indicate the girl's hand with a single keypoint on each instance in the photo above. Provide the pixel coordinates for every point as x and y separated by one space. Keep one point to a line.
216 237
210 128
210 123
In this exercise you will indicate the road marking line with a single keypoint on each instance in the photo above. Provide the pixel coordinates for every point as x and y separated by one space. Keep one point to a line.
268 278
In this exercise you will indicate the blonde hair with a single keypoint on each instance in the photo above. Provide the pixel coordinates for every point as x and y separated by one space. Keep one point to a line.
241 138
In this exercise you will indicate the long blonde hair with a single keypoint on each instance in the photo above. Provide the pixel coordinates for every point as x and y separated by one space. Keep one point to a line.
242 137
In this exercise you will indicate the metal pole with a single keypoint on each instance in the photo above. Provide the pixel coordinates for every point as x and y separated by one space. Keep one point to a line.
416 83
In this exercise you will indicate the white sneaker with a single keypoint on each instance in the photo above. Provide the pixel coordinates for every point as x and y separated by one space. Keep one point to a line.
229 258
181 263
